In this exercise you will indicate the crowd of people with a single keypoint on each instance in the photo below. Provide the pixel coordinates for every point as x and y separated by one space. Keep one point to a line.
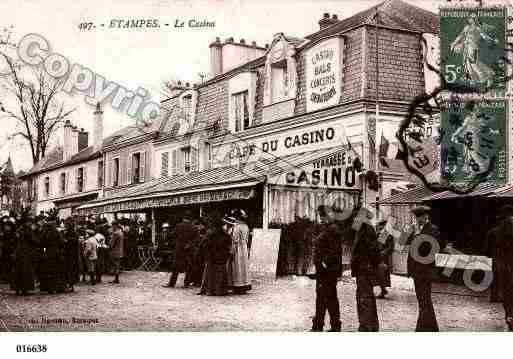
213 254
53 254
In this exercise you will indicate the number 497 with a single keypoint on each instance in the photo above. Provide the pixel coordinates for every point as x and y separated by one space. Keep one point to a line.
85 26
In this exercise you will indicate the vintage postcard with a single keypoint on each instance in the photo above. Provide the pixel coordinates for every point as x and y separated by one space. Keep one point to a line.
254 166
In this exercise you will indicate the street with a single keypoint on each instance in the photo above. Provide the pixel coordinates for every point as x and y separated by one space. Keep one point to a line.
140 303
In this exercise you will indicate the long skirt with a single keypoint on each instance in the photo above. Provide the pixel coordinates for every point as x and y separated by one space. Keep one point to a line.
240 268
216 279
366 305
52 276
24 276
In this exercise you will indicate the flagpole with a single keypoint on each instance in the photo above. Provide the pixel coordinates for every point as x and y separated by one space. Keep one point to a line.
377 73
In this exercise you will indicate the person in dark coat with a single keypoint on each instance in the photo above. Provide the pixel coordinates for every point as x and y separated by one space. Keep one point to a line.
52 278
328 267
8 247
421 266
385 248
504 253
199 254
219 244
24 276
186 234
117 249
364 262
71 254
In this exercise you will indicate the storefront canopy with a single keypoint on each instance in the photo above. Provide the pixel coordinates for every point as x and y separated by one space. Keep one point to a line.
213 185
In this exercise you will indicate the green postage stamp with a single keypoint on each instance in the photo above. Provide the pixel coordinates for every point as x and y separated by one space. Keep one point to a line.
474 141
472 47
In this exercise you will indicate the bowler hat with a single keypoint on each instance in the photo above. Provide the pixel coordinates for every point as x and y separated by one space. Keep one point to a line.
421 210
229 220
90 231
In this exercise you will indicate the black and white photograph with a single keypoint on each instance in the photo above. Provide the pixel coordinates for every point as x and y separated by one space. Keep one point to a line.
243 166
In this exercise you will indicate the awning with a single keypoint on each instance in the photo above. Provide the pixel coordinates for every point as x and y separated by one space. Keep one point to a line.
75 200
483 189
412 196
212 185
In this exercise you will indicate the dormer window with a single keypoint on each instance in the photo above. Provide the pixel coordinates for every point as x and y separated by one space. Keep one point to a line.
187 102
242 89
279 82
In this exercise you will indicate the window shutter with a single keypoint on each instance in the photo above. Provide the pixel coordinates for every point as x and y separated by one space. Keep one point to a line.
111 172
76 179
66 182
142 166
194 159
174 162
84 179
164 164
129 160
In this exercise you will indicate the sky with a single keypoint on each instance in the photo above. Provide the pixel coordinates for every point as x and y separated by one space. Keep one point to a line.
145 57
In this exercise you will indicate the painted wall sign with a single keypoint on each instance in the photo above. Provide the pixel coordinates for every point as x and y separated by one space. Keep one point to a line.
334 171
324 74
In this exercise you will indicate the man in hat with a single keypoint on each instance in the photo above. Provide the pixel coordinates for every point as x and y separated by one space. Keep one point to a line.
386 248
91 254
503 240
186 234
117 248
328 267
424 243
364 262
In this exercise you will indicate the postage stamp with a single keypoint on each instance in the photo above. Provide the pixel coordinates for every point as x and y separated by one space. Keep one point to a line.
472 43
473 141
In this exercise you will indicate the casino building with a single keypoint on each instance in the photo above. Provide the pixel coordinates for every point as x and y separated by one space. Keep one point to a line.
277 129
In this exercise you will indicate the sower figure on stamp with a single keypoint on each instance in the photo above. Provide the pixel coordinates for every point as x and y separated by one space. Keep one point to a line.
364 262
186 234
504 252
328 267
424 243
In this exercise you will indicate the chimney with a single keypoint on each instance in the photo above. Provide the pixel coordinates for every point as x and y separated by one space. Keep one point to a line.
83 140
98 127
327 21
216 57
67 140
74 140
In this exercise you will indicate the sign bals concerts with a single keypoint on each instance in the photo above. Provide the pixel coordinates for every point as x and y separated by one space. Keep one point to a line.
323 74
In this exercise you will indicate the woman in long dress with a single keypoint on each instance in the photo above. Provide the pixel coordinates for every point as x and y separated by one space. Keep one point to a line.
218 249
239 259
24 276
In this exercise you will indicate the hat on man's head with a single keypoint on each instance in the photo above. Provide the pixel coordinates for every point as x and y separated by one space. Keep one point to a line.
165 225
90 231
229 219
421 210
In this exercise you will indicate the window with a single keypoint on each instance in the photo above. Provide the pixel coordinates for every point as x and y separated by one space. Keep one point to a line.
187 107
279 82
47 186
187 160
164 164
174 162
241 111
63 182
115 172
100 174
80 179
136 167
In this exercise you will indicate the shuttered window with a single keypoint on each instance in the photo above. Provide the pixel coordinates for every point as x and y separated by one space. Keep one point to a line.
164 164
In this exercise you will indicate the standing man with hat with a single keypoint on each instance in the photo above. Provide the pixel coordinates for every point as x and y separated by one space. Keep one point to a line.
328 267
186 234
424 243
117 249
503 238
91 254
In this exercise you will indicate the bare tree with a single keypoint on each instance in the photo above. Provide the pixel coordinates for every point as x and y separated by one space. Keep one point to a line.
37 106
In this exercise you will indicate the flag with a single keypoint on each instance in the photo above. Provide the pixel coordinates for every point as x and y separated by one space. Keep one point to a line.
383 150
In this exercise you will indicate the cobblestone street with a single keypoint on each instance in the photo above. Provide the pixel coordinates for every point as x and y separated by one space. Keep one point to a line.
140 303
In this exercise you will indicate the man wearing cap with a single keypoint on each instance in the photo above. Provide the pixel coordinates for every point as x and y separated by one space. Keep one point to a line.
328 267
503 234
424 243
